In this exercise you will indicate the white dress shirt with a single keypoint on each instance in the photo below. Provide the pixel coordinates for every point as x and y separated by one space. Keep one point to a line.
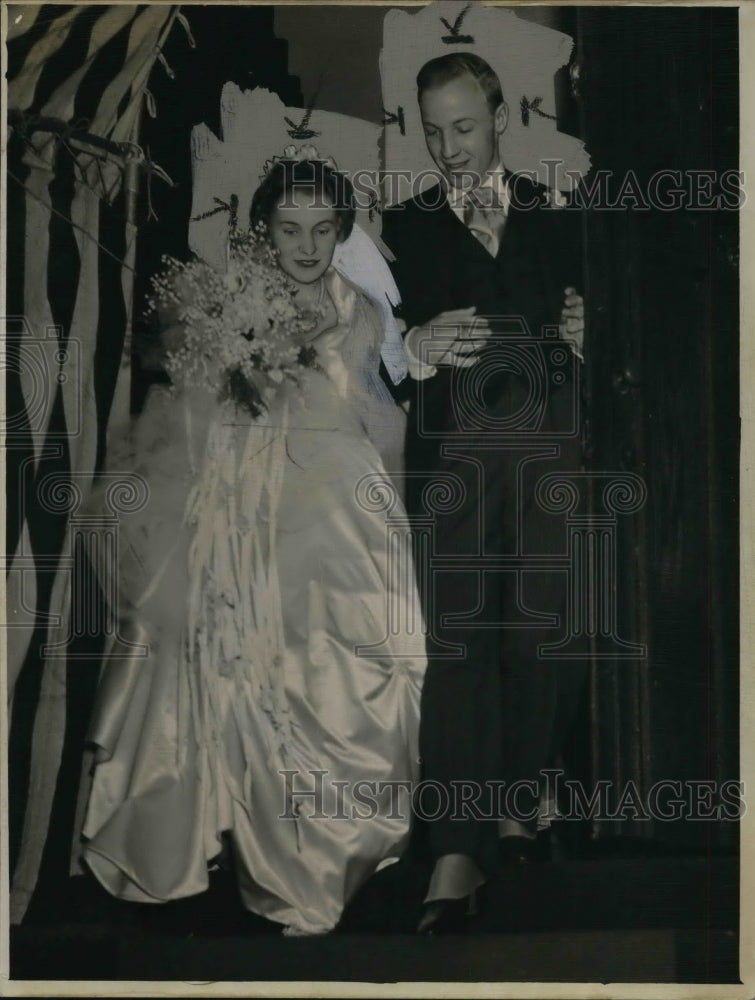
495 179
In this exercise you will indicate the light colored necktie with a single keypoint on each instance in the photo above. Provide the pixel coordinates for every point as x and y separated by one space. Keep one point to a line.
485 218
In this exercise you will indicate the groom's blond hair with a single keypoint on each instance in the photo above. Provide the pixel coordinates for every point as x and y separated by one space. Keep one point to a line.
443 69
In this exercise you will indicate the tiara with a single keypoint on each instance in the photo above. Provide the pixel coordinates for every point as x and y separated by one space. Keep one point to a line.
297 154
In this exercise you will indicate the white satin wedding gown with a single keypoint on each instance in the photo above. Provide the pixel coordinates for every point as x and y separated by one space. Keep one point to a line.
265 557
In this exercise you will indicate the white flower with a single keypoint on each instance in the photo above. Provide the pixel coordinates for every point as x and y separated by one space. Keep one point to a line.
218 311
282 309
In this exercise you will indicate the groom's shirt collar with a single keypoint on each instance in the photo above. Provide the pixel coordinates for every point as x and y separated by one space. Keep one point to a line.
495 178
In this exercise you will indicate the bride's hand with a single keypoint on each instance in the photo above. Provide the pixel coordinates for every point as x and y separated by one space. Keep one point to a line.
265 388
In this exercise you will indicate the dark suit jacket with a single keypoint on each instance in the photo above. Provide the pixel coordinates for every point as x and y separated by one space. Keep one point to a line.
439 265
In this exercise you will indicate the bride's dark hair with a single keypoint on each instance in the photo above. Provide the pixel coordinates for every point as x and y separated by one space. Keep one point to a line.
315 177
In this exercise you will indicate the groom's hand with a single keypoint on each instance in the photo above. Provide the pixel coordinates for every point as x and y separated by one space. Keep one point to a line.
571 323
450 338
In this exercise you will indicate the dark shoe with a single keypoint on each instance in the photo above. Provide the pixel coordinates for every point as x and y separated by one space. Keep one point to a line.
448 916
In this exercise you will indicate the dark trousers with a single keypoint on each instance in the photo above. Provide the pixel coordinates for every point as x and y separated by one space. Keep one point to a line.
498 711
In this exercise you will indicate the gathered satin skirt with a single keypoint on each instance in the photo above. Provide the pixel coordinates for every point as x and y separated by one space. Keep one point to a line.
265 679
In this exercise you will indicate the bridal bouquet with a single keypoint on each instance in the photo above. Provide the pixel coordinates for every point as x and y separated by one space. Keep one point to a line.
241 331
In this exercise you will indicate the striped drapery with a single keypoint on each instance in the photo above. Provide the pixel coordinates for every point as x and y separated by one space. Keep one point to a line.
77 81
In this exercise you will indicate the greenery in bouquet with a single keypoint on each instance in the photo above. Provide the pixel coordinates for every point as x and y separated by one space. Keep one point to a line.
241 332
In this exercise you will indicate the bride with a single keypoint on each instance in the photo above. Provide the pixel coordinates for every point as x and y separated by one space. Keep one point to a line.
277 704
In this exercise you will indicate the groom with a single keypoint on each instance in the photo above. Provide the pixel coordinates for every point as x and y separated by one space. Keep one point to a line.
474 256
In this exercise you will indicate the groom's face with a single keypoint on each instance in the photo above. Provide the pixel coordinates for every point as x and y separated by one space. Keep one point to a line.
461 131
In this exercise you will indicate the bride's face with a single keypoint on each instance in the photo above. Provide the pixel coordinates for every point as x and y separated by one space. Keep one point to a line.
304 235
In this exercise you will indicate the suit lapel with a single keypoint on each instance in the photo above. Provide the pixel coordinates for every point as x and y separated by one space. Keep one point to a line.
451 229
